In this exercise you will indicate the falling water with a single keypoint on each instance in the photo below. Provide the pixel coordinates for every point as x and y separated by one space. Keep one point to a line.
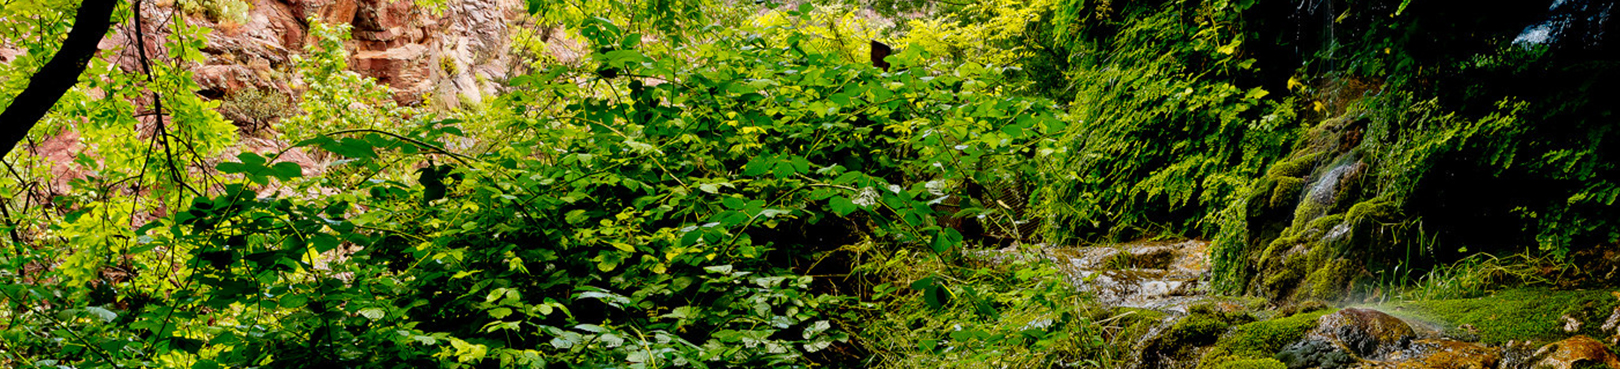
1579 21
1320 194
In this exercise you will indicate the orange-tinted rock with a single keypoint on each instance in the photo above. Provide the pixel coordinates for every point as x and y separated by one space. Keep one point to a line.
1445 354
329 11
405 69
1575 350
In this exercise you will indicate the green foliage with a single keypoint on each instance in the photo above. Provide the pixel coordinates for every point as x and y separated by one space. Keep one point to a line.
649 209
1018 312
80 266
1477 275
1162 139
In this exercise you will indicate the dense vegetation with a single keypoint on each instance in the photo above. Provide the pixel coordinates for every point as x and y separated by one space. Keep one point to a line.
731 184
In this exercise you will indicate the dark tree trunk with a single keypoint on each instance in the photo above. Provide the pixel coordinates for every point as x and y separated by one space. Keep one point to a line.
58 75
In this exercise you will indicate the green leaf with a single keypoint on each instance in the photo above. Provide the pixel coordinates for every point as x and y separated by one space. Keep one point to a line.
734 203
733 218
286 170
842 206
376 313
104 314
576 217
759 165
294 300
945 239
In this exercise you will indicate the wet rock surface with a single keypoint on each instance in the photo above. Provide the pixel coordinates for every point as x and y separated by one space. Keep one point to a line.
1163 276
1574 352
1348 337
1444 353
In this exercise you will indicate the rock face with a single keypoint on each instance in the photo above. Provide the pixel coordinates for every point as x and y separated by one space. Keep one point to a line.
1348 337
458 54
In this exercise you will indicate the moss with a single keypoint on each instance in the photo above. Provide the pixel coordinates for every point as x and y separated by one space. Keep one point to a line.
1375 209
1135 321
1326 222
1523 314
1267 363
1307 211
1254 343
1287 191
1203 324
448 66
1329 282
1281 279
1258 197
1296 167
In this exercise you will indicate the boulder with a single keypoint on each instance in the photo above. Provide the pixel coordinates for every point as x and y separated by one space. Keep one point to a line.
1568 353
1347 337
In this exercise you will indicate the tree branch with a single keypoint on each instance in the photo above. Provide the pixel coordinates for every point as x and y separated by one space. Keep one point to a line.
58 75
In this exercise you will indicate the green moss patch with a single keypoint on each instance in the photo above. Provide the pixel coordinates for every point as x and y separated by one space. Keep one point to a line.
1523 314
1267 363
1252 345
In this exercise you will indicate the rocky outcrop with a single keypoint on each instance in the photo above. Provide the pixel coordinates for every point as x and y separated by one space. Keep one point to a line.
454 55
1348 337
1574 351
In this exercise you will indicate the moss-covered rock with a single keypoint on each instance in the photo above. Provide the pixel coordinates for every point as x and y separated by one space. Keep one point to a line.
1329 281
1203 324
1287 191
1298 166
1375 209
1255 343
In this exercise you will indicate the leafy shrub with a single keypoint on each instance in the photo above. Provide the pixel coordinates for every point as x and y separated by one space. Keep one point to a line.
256 108
1161 141
645 210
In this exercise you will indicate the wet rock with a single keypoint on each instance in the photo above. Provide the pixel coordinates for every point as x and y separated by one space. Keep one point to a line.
1573 351
1367 332
1444 354
1312 353
1154 275
1347 337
